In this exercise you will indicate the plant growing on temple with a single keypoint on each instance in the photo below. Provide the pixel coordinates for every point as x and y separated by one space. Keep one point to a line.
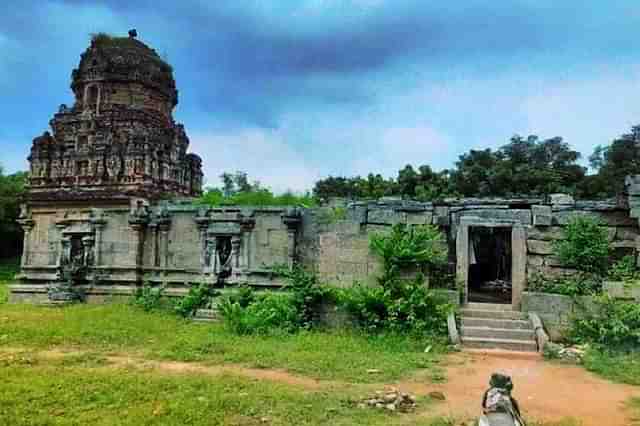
148 297
396 303
260 313
198 297
408 247
624 270
584 246
579 284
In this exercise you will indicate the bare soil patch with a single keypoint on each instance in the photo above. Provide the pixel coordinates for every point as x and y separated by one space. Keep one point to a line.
546 391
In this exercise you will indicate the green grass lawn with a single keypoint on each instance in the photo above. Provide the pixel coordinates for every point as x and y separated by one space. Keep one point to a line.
341 355
62 393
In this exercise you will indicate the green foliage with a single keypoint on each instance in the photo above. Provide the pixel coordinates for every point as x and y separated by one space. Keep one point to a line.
406 246
581 284
614 163
614 365
395 303
406 306
237 191
523 166
247 312
267 313
612 323
148 297
11 194
198 297
624 270
584 245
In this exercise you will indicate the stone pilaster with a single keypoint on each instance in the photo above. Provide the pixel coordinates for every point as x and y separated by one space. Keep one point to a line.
27 227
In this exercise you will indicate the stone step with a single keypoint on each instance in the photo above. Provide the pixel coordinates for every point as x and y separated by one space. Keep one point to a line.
492 314
508 344
497 323
489 306
206 315
498 333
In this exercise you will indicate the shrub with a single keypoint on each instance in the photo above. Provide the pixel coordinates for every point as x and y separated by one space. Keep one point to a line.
265 314
397 304
197 298
624 270
405 306
581 284
244 310
410 246
585 246
609 322
148 298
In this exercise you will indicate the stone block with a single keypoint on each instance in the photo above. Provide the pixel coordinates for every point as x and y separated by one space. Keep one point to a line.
441 216
561 199
535 260
495 216
630 234
541 215
548 233
384 216
609 218
539 247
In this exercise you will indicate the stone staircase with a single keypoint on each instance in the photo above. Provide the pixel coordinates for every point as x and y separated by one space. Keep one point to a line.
496 326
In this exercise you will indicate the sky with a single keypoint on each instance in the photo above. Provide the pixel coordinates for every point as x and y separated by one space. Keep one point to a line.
291 91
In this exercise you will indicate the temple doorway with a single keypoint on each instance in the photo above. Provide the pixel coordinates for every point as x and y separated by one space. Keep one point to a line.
489 279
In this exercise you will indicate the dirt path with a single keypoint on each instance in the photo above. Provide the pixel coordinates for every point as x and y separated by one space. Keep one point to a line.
546 391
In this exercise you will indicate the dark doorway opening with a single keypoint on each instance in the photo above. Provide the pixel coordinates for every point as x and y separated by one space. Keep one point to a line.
490 264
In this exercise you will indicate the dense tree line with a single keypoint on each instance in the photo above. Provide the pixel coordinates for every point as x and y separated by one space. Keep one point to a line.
524 166
11 191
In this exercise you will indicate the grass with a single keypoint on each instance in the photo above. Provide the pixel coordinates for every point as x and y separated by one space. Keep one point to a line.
55 393
339 355
618 367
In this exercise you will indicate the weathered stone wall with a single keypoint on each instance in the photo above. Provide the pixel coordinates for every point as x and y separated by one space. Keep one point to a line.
173 243
176 245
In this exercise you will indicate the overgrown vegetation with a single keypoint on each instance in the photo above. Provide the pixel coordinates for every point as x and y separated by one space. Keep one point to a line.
397 303
584 246
293 309
611 323
579 284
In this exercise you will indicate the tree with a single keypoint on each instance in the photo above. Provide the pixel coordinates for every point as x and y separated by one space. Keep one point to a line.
613 163
12 189
523 166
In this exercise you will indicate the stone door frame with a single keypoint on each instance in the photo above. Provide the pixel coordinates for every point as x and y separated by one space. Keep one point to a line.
518 256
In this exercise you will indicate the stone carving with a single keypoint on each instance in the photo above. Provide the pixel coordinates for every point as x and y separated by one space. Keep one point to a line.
128 142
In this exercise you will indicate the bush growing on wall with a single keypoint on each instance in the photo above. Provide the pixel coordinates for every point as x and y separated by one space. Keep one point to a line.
614 324
397 304
585 246
247 312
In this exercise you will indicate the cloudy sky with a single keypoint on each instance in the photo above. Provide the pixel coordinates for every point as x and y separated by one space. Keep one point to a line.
294 90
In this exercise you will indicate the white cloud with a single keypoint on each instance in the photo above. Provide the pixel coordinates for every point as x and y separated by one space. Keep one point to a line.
262 153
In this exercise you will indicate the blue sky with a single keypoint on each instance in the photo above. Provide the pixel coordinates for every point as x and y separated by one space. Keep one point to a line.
295 90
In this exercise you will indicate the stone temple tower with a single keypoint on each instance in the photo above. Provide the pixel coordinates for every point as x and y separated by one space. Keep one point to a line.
99 180
119 138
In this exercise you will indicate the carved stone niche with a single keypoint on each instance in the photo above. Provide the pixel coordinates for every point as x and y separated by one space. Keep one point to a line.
223 256
77 245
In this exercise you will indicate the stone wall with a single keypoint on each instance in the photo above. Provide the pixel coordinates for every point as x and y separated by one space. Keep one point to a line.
171 244
174 243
